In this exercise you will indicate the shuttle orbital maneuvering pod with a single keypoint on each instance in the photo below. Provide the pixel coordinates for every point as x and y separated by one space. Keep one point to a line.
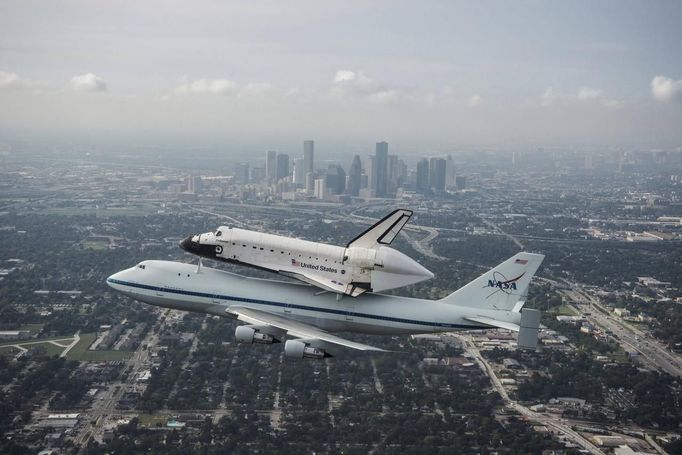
309 319
365 264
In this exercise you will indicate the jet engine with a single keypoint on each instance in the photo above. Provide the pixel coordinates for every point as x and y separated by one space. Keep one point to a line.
250 334
295 349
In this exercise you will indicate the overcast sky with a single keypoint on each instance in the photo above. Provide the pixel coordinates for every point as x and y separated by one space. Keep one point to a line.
422 75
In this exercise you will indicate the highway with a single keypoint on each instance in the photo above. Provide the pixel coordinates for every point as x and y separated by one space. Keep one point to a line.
549 421
652 353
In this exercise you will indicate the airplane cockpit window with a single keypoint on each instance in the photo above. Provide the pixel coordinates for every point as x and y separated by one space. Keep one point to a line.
219 233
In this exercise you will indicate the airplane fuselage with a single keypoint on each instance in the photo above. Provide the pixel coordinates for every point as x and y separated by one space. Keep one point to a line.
185 287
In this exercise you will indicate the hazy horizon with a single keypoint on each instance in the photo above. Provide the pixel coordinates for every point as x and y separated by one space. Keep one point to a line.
439 77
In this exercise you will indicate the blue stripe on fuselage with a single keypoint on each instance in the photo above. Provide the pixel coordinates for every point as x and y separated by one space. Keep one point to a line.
288 305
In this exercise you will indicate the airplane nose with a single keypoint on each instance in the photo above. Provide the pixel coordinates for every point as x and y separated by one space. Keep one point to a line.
111 280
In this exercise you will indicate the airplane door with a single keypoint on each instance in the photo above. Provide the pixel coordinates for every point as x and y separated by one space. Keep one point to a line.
349 307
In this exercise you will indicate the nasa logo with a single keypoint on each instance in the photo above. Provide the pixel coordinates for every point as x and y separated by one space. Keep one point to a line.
501 283
218 249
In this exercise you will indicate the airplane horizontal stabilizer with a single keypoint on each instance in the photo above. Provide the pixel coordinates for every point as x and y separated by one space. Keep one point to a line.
530 325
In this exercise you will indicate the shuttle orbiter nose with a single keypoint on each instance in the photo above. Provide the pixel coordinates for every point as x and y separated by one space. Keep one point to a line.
193 244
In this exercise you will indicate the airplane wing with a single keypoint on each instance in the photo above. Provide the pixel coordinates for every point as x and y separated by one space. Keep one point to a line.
295 328
384 231
325 283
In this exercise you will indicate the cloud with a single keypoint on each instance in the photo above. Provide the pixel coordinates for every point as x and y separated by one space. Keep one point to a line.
475 101
88 83
207 87
12 81
256 89
352 81
589 94
585 95
384 97
355 84
666 89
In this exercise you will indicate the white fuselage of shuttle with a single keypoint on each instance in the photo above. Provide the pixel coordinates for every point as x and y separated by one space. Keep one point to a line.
348 270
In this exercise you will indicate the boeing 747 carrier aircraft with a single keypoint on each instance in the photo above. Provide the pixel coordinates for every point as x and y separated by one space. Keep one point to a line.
309 318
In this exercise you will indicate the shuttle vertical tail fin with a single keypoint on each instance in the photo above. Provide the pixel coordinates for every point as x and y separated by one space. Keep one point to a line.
384 231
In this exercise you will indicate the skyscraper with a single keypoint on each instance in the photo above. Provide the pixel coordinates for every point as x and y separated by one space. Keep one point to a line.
336 179
437 173
299 172
271 166
381 164
449 172
461 182
423 176
241 173
282 166
354 177
308 156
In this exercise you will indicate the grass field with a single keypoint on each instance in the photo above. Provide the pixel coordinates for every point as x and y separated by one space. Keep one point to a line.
565 310
150 420
33 328
81 352
96 246
67 339
69 211
78 352
50 349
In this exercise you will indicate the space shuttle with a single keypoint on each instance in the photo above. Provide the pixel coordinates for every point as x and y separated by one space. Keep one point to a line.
366 264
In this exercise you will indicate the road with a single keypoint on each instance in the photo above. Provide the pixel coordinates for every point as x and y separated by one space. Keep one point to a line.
542 419
652 353
105 405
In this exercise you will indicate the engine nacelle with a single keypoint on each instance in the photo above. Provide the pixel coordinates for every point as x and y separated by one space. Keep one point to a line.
249 334
295 349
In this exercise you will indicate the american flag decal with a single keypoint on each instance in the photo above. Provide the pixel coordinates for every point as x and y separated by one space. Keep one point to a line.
294 262
521 261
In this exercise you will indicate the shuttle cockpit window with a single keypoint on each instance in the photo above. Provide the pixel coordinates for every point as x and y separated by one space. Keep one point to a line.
218 233
141 266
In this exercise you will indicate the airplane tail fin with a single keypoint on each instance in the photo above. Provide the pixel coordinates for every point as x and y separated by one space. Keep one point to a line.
383 231
503 288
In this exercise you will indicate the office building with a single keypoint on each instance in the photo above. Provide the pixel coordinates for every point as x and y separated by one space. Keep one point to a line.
381 173
336 179
423 176
355 177
308 156
271 166
282 166
241 173
299 172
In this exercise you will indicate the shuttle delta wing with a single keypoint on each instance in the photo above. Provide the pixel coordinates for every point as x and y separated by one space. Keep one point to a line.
318 281
295 329
383 232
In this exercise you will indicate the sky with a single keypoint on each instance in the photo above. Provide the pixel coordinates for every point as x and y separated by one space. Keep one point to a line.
427 75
